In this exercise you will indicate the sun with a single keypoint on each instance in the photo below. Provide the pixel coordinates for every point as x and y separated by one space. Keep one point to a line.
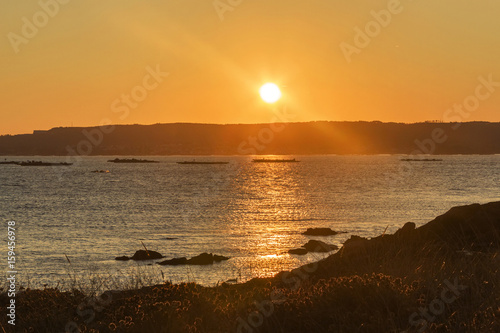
270 93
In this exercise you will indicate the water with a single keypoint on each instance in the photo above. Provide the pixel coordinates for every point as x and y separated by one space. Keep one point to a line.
252 212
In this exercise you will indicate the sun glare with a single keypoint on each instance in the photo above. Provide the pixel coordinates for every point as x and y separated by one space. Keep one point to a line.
270 93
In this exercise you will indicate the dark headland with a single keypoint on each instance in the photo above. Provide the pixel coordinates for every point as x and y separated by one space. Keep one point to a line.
320 137
441 277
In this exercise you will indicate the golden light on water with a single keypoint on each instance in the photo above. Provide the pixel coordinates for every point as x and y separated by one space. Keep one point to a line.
274 196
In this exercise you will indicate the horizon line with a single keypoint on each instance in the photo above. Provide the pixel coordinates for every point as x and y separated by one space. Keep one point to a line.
277 122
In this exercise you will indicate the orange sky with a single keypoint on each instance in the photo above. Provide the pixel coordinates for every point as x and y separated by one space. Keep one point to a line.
78 64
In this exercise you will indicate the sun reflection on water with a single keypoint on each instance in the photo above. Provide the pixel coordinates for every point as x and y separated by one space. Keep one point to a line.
272 195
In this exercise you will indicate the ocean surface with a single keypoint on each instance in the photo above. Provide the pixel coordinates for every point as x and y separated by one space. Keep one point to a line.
251 212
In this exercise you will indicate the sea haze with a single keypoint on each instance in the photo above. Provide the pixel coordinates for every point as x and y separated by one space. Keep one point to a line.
252 212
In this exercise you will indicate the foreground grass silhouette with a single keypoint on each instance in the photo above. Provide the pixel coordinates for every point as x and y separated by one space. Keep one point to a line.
441 277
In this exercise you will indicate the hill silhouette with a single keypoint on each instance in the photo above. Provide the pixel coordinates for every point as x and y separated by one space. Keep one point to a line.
319 137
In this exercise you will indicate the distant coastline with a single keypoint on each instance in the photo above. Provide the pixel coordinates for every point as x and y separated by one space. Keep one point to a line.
308 138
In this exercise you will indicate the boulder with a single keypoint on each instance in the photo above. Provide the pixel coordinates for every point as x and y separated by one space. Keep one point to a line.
319 246
320 232
355 243
406 230
174 262
122 258
146 255
300 251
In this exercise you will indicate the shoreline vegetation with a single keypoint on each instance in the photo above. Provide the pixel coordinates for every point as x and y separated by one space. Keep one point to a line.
441 277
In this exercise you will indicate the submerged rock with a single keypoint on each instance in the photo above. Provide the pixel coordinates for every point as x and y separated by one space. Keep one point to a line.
146 255
206 259
202 259
142 255
319 246
313 246
300 251
320 232
218 258
174 262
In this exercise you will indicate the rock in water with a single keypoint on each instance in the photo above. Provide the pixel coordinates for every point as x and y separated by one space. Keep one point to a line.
319 232
205 259
300 251
174 262
319 246
146 255
202 259
220 258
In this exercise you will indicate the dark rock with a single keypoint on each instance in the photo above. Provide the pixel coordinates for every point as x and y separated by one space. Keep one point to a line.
357 245
146 255
218 258
300 251
319 232
473 227
466 229
202 259
174 262
122 258
406 230
319 246
205 259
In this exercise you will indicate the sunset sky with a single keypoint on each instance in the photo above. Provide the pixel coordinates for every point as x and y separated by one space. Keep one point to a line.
75 68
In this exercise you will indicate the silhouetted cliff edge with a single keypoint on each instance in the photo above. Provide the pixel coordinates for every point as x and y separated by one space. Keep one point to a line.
291 138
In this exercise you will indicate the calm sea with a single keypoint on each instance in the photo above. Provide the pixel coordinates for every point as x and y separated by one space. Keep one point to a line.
251 212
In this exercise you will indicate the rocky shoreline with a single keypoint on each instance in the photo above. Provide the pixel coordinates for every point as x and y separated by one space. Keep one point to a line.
441 277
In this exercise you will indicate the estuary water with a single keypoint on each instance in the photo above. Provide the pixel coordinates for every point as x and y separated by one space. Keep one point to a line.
251 212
